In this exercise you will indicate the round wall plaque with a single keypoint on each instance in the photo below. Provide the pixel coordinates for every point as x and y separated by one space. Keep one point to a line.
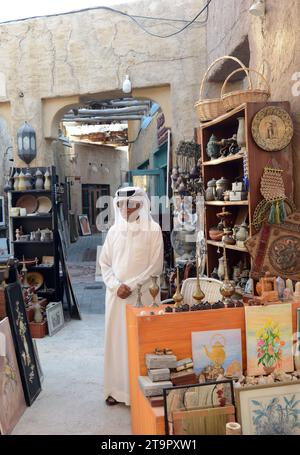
272 128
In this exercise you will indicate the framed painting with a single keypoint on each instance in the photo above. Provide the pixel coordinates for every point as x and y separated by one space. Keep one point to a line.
199 409
12 401
55 317
84 225
218 350
269 337
272 409
23 342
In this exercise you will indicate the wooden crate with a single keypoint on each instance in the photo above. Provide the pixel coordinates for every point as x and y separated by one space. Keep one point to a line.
172 330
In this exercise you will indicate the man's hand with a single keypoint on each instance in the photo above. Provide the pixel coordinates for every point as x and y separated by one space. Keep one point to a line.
123 291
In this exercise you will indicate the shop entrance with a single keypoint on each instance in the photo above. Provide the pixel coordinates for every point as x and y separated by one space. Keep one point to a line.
90 195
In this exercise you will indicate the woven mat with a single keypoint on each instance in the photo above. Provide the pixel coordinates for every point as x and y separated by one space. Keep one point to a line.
276 249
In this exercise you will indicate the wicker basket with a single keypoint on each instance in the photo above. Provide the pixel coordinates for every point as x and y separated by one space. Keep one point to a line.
234 99
209 109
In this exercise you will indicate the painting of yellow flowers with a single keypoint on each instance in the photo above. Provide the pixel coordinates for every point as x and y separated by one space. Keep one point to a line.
269 336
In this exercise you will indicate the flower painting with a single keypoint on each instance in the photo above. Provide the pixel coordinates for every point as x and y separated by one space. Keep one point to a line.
270 410
269 339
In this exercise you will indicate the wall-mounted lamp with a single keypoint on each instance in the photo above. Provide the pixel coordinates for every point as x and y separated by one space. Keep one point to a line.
127 85
26 143
258 8
99 168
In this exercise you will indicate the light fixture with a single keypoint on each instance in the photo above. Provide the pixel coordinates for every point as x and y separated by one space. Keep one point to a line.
26 143
99 168
127 85
258 8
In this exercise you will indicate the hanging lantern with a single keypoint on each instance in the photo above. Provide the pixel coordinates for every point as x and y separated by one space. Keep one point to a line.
26 143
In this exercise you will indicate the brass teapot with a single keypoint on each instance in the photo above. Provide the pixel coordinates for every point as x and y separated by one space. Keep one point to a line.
217 354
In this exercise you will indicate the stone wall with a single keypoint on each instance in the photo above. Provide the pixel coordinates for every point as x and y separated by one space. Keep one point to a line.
75 164
274 43
49 61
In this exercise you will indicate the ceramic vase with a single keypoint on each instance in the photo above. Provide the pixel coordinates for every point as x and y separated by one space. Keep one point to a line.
22 182
241 137
28 180
39 181
16 181
47 184
38 317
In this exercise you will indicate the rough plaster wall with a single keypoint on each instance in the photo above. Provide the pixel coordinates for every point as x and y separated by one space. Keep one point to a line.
5 152
115 160
90 52
144 146
274 46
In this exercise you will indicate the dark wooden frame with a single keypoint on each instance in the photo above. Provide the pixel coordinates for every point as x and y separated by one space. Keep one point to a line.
169 389
13 296
231 167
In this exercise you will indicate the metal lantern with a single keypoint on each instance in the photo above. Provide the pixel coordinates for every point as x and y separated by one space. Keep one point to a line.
26 143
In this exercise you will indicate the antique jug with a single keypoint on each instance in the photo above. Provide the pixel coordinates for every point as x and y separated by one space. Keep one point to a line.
213 149
28 180
241 232
39 181
222 185
221 269
227 237
47 184
210 193
38 317
22 182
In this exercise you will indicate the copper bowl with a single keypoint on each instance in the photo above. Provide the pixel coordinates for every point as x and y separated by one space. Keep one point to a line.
215 234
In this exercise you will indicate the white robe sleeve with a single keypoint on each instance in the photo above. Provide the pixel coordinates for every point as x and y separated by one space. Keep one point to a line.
157 257
105 261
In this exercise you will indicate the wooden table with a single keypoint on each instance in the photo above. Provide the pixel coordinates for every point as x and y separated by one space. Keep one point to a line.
173 330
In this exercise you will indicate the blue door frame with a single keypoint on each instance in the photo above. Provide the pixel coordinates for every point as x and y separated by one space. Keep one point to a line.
160 186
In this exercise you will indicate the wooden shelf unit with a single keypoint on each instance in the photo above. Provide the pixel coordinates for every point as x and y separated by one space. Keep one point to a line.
34 248
232 167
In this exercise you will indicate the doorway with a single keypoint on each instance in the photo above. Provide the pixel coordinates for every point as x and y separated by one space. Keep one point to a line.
90 195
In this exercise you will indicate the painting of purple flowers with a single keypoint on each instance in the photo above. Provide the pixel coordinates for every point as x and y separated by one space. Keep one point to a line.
270 410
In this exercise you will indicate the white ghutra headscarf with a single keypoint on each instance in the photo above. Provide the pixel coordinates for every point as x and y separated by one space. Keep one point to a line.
142 218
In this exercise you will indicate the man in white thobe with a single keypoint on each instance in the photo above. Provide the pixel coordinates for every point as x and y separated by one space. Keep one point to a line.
132 252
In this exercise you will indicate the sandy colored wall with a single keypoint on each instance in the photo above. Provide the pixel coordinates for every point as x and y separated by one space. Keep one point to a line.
89 53
79 172
274 43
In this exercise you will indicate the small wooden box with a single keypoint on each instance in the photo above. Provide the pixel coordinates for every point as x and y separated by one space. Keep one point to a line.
153 389
38 329
162 374
187 377
154 361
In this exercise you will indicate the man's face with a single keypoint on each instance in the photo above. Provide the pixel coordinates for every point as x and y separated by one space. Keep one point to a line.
129 209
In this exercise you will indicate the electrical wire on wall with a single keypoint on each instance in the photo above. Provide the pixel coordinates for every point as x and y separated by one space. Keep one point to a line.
132 17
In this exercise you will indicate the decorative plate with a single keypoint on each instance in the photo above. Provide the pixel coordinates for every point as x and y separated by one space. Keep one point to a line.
272 128
28 202
45 204
35 279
